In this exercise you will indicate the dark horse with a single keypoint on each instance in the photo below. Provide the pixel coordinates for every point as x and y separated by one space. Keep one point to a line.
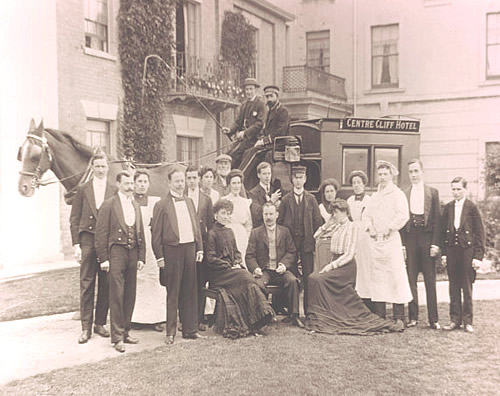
69 160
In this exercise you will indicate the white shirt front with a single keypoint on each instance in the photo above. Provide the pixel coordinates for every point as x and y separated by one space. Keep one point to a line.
186 234
99 186
128 208
299 195
459 205
195 196
417 199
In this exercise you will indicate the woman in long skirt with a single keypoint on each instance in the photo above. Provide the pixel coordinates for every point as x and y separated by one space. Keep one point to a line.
334 306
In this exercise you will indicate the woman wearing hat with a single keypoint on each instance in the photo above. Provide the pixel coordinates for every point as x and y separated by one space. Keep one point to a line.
357 204
386 213
327 191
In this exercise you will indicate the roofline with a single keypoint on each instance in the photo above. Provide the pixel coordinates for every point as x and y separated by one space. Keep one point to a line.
275 10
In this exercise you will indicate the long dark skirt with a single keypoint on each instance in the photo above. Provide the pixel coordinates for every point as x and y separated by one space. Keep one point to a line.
335 307
242 308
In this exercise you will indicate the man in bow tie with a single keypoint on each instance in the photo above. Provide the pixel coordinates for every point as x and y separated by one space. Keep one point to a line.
177 246
462 245
121 250
299 211
263 192
420 238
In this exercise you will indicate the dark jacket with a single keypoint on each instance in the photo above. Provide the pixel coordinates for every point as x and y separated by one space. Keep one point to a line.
432 214
470 232
258 197
257 254
250 119
277 123
112 229
83 210
165 226
205 214
222 252
312 217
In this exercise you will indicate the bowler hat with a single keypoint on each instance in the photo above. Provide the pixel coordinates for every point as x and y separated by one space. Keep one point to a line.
251 81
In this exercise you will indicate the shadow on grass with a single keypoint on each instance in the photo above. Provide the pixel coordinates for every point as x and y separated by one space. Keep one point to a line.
291 361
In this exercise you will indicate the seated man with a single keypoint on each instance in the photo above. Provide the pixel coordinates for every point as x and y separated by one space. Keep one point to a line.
270 253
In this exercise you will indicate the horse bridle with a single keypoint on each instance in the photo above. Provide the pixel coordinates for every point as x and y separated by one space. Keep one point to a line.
42 142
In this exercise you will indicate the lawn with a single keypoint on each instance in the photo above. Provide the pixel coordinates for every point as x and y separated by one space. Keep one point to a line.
43 293
291 361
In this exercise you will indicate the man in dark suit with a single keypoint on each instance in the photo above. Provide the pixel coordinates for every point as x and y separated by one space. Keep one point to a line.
270 256
263 192
277 124
299 211
462 245
203 206
177 245
421 240
248 124
121 250
88 199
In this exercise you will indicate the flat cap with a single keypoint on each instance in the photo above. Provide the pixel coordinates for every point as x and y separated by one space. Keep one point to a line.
272 89
251 81
223 157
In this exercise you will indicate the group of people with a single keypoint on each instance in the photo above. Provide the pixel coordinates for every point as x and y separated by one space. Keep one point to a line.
350 258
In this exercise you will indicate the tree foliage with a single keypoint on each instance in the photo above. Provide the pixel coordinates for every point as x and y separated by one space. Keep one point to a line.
238 42
145 27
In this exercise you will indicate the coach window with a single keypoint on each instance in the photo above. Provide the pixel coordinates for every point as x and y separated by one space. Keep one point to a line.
355 158
96 25
188 150
98 134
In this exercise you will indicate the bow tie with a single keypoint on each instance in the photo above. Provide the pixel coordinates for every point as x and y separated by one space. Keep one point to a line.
359 197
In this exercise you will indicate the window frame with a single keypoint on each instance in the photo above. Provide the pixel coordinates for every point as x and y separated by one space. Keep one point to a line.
324 67
90 132
372 57
190 139
487 75
86 20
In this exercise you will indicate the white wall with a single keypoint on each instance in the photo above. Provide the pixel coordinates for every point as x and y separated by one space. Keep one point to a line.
29 226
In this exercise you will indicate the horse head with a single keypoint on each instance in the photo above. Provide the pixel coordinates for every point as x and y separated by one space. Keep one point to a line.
35 157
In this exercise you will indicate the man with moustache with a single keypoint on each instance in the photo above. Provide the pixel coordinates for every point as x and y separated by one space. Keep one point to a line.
178 246
263 192
248 124
462 244
420 237
84 210
299 211
203 206
121 250
277 124
270 256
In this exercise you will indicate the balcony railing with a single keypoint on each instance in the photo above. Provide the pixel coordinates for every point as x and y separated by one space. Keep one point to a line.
207 78
305 78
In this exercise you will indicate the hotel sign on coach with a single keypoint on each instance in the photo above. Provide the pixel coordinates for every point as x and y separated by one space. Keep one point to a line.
371 124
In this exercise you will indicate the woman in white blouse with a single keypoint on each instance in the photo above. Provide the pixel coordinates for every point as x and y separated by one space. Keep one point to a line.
241 219
333 305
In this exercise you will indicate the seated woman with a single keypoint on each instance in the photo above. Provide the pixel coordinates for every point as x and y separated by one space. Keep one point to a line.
327 191
334 306
242 307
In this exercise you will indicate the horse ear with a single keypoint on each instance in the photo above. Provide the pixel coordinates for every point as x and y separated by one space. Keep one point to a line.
39 131
32 126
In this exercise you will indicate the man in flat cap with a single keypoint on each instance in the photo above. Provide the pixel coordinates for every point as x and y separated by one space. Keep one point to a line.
247 126
222 169
299 211
277 124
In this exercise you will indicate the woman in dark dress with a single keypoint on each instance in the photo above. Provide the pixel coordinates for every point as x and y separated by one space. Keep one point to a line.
334 306
242 307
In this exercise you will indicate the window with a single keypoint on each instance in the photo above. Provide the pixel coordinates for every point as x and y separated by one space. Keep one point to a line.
355 158
318 50
188 150
253 67
188 29
96 24
385 56
98 134
364 158
493 45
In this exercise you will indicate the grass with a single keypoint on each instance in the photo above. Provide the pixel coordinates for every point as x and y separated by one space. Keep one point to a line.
290 361
43 293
